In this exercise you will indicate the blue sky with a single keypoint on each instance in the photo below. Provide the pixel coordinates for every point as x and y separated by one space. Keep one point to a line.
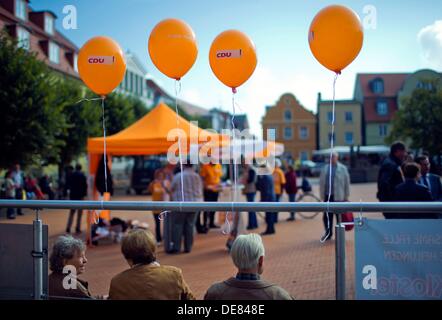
279 30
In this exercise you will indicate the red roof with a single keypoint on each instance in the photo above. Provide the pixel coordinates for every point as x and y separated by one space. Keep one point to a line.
392 83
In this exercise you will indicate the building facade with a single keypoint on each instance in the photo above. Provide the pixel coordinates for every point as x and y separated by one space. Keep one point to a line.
288 122
377 94
348 123
35 31
135 81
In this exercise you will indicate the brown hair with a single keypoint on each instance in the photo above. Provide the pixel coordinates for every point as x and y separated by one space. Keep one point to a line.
139 247
411 170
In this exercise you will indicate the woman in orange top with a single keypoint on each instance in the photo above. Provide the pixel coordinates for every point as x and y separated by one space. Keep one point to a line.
160 190
211 175
279 182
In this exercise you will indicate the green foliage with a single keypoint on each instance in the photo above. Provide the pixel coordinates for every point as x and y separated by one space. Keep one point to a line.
29 122
420 120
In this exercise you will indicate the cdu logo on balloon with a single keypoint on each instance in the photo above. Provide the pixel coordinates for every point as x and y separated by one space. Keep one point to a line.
229 54
101 60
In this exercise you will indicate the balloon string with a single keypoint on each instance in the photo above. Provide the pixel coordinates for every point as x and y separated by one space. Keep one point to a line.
330 162
87 99
104 144
177 91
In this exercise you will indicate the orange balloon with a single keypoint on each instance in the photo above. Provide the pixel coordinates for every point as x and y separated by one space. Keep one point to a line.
101 65
335 37
173 48
232 58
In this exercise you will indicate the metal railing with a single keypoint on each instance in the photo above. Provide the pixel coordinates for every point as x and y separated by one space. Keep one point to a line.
334 207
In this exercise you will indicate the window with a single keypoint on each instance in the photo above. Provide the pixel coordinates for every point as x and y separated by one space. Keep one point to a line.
287 133
49 24
348 116
382 108
20 9
383 130
349 138
54 53
23 38
287 115
126 81
136 84
272 134
330 136
425 85
75 62
303 155
303 133
330 117
378 86
131 85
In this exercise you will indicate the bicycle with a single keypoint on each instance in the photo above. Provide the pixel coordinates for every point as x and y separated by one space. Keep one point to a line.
307 197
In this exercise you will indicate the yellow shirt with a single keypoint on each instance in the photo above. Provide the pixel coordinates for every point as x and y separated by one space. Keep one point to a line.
211 174
278 180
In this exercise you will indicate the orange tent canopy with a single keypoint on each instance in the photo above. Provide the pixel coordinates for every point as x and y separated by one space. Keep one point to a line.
149 135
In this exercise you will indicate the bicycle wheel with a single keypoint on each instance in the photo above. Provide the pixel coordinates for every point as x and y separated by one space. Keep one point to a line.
308 197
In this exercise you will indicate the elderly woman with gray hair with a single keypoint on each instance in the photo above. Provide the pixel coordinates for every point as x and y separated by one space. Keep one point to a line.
67 262
248 256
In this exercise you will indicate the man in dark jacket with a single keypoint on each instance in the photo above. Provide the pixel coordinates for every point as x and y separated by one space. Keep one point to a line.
77 191
430 180
264 185
412 191
390 174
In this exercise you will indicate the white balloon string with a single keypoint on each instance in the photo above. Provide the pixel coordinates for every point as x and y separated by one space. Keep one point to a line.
163 215
177 91
328 231
104 145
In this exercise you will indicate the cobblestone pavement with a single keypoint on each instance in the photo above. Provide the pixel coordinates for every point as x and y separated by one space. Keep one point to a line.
295 259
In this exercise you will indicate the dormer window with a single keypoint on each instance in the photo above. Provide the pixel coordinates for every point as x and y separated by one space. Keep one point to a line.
49 24
20 9
377 86
54 53
75 62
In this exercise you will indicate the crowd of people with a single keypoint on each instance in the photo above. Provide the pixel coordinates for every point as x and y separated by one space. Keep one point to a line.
147 279
19 186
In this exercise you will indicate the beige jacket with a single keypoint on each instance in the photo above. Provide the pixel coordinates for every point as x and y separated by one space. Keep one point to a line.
341 182
150 282
234 289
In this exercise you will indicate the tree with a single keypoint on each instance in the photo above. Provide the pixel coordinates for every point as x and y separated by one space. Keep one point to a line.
119 113
420 120
29 122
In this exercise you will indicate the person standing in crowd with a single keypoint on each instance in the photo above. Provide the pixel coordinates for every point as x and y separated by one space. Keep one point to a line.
338 191
278 183
77 191
265 186
248 257
69 170
100 178
248 179
211 175
411 191
291 188
430 180
390 174
46 186
10 192
19 180
183 223
159 188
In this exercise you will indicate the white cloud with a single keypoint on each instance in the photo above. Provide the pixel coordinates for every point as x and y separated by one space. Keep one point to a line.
430 40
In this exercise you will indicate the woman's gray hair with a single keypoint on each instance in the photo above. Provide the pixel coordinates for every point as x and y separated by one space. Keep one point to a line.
65 247
246 251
